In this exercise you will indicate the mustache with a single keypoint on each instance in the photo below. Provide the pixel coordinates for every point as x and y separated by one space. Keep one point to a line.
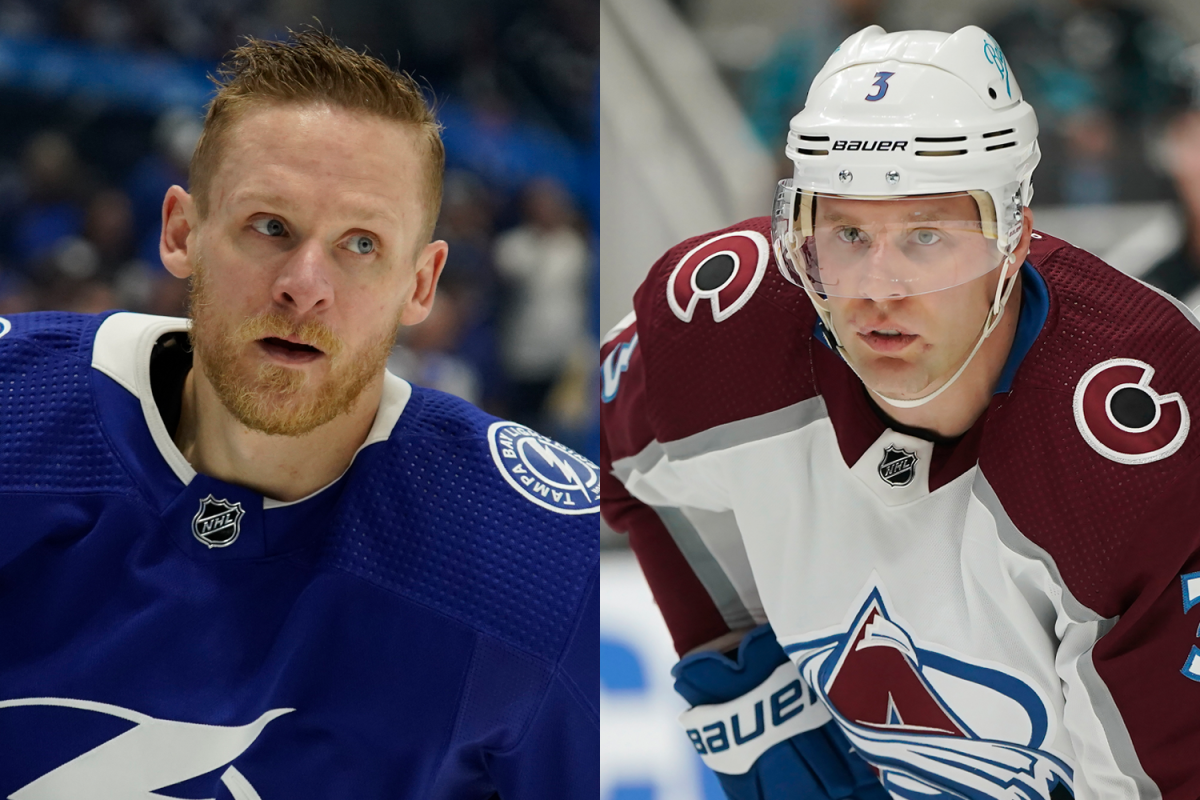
274 324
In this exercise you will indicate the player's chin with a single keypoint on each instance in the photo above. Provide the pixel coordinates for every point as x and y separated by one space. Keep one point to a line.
893 377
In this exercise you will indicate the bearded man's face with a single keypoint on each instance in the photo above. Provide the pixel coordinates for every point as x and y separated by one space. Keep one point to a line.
303 268
277 395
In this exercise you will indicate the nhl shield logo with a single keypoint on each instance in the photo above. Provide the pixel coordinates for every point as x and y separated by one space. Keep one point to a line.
898 466
218 522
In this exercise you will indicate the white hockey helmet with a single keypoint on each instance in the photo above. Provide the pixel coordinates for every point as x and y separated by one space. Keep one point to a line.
903 115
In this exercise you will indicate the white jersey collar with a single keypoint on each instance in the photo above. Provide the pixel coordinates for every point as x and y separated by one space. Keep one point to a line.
121 351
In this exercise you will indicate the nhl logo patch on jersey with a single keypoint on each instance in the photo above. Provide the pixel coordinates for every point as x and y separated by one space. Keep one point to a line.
5 326
1123 418
725 271
543 471
218 522
898 466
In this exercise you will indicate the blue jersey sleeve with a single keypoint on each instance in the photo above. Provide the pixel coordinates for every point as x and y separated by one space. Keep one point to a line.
557 758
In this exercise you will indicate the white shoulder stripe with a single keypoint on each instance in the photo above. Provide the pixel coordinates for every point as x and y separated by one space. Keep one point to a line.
1180 305
619 328
121 351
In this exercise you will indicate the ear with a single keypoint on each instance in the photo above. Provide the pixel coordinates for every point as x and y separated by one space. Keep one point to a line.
1022 251
429 268
178 224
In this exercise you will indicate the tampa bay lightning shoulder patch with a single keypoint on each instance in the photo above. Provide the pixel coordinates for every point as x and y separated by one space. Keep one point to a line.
543 471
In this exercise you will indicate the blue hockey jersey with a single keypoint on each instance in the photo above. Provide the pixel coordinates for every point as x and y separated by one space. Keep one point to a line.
424 627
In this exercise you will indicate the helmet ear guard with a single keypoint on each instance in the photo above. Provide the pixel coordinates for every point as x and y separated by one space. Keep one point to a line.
906 115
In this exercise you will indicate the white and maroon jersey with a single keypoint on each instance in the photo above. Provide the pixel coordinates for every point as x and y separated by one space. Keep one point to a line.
1001 616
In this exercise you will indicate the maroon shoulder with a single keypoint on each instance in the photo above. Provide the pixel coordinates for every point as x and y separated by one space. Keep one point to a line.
1093 457
723 334
1096 430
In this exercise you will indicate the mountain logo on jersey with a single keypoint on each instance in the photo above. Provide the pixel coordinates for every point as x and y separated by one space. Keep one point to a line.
898 466
935 724
5 326
543 471
1123 418
725 271
149 755
218 522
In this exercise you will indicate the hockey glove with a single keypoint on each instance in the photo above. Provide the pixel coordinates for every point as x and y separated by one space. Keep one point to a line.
763 732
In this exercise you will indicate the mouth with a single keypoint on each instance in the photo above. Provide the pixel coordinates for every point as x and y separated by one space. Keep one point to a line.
288 351
887 340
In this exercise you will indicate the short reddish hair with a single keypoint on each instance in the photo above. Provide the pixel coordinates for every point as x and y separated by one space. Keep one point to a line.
311 67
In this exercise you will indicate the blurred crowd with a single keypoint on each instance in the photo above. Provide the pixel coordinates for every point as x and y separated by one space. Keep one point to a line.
1116 87
513 328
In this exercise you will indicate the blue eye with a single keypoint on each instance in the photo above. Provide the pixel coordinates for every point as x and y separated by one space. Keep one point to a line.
361 245
268 226
926 236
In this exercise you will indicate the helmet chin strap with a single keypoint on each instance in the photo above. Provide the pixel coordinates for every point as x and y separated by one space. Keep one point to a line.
1004 288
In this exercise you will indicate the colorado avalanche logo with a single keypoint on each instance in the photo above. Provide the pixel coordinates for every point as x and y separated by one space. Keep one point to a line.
725 270
1123 419
891 697
543 471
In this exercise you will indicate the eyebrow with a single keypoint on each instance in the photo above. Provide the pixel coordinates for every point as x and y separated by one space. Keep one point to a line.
364 213
936 215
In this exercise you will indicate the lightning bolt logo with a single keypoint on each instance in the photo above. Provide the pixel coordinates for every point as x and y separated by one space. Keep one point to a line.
543 471
154 754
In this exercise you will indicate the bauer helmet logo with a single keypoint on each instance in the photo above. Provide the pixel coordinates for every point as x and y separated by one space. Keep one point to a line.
880 145
898 466
218 522
725 271
1123 418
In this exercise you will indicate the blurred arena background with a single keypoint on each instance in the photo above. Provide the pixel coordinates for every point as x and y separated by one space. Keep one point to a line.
695 100
101 102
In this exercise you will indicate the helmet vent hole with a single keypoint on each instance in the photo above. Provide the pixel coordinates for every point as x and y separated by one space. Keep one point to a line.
941 152
940 138
997 133
1001 146
991 93
812 152
807 138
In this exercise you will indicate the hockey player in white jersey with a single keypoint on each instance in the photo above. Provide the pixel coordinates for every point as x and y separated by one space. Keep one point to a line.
913 483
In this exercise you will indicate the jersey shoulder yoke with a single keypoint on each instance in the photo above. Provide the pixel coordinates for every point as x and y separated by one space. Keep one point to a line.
48 425
723 334
483 520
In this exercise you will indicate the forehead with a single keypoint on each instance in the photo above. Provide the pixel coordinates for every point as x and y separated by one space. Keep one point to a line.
960 206
321 157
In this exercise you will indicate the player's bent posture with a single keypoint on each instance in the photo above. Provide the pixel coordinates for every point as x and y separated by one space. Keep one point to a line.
947 458
246 562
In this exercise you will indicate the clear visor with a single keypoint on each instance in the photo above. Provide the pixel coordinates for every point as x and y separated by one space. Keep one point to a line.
883 247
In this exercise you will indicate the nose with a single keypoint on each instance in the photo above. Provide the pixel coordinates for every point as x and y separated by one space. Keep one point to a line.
881 276
304 285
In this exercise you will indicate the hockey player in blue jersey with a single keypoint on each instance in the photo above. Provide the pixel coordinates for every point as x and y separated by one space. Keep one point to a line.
240 560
